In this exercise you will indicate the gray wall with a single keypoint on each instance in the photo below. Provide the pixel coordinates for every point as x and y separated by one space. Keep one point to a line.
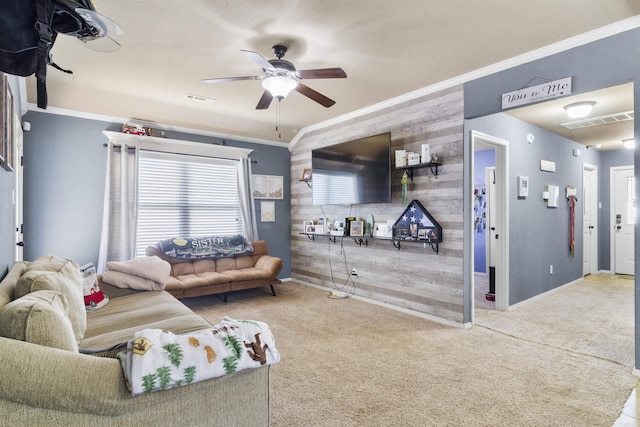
538 235
65 164
603 63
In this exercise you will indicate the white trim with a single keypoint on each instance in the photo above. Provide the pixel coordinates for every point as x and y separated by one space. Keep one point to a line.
167 145
115 119
501 147
570 43
544 294
393 307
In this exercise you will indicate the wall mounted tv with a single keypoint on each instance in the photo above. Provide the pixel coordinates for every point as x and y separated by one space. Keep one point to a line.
353 172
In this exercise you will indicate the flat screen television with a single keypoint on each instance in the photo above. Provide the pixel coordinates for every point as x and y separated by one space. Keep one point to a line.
353 172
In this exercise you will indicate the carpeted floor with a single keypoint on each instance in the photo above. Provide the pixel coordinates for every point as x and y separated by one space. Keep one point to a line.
346 362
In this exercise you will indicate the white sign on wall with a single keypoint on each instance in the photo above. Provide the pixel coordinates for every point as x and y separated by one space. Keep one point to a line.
537 93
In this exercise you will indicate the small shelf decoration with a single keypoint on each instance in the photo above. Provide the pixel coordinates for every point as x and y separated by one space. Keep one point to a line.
432 165
306 176
417 224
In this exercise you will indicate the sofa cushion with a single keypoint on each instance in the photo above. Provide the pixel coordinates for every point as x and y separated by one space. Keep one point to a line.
62 275
39 318
134 312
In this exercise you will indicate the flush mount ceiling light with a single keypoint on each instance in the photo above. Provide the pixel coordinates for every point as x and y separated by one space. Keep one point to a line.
279 86
629 142
579 109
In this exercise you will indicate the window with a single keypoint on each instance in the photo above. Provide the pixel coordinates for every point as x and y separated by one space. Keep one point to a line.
185 196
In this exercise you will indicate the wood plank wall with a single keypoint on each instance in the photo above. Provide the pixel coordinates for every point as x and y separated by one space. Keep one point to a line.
413 277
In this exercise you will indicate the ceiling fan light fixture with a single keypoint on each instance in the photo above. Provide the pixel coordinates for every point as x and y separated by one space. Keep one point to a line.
579 109
629 142
279 86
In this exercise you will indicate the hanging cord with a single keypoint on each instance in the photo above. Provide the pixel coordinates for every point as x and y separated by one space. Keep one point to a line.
344 290
278 118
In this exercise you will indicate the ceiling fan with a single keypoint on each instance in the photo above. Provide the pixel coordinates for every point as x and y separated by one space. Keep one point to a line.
281 77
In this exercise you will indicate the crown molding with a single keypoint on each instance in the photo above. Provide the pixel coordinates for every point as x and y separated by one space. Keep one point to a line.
561 46
114 119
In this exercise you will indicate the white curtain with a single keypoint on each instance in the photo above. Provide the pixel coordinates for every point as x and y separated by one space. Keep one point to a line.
118 240
247 206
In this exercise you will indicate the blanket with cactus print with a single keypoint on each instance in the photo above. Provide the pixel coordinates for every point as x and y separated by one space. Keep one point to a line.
159 360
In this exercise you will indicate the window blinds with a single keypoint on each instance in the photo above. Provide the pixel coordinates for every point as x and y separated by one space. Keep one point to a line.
185 196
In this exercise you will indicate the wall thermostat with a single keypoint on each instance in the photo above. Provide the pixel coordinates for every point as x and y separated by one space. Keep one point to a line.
523 186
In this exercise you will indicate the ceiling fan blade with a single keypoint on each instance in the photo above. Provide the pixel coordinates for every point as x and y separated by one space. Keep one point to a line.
316 96
231 79
322 73
259 59
265 101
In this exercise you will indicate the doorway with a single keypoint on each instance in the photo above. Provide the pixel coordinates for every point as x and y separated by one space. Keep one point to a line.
498 250
623 220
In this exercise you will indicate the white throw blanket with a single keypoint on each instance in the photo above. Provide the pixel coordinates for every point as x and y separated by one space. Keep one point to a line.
159 360
146 273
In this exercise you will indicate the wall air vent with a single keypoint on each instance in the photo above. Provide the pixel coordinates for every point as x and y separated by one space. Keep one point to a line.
199 98
597 121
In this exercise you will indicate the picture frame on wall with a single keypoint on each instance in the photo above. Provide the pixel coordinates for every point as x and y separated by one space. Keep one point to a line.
267 186
3 125
267 211
7 125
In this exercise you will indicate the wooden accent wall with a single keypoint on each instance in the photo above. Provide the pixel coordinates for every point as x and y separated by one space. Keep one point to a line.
414 277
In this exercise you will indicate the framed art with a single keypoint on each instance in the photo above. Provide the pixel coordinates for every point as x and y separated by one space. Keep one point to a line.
306 174
3 119
357 228
267 211
7 124
267 187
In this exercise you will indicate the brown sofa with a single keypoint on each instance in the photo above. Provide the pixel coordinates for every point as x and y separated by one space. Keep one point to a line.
193 278
45 379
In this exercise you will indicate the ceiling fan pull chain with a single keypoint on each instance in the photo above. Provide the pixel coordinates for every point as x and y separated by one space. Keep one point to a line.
278 119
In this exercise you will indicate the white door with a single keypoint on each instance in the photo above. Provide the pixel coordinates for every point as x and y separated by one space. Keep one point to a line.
17 193
623 219
590 220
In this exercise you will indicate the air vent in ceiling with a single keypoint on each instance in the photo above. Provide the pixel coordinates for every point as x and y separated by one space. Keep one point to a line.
199 98
597 121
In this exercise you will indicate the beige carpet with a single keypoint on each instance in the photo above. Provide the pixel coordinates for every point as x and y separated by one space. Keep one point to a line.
346 362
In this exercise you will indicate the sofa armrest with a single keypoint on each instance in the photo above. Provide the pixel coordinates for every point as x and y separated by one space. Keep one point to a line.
269 263
52 386
78 383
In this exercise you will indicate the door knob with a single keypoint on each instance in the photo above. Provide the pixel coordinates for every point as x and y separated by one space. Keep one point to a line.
618 227
493 229
20 244
591 226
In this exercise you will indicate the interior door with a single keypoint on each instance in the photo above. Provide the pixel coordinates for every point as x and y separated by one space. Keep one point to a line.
623 220
589 220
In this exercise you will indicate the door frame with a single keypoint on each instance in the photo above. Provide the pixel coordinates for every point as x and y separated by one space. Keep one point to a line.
612 214
501 147
593 170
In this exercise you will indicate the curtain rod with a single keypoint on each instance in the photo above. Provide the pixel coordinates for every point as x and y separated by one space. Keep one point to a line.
105 145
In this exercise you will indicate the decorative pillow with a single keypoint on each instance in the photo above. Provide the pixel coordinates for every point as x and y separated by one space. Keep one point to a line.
62 275
39 318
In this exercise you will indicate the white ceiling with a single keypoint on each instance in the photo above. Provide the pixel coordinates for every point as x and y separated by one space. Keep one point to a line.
387 48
